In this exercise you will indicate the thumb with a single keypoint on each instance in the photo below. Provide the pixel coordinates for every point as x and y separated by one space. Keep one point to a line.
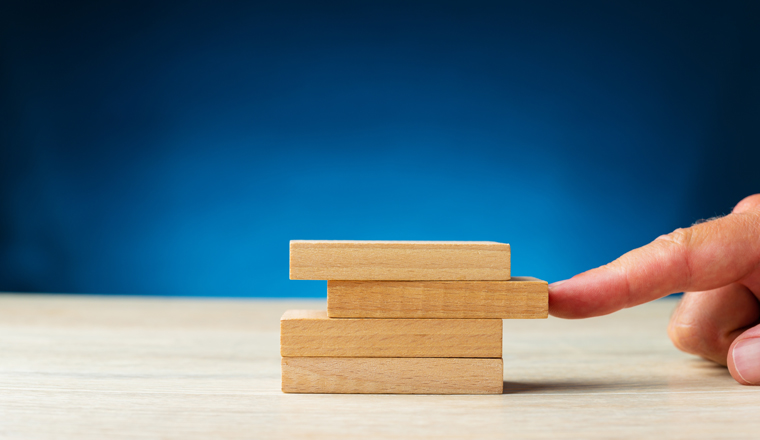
744 357
703 257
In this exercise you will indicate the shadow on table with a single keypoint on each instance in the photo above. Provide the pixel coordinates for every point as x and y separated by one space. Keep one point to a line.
562 387
709 367
693 373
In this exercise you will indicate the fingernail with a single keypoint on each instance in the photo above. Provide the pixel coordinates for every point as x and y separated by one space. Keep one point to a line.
553 285
747 360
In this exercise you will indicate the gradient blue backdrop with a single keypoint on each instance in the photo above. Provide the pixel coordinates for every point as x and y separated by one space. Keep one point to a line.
174 148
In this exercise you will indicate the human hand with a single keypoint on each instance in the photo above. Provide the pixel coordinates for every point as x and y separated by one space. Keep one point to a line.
717 264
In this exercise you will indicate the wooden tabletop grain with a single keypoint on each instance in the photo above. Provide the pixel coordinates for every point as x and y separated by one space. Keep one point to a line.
95 367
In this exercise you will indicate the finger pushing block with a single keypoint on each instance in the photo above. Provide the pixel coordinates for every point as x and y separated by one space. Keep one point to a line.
521 297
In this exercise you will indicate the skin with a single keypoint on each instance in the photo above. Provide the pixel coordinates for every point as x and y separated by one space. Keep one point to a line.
717 264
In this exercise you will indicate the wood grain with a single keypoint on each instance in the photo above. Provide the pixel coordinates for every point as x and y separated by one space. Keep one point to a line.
399 260
521 297
391 376
312 333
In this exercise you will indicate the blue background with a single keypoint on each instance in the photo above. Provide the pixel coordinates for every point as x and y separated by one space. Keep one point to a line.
173 148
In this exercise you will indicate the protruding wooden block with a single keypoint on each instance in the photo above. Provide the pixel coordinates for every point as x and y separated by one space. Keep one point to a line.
392 375
521 297
399 260
312 333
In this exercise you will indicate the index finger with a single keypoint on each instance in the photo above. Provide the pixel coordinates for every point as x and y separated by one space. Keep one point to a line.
702 257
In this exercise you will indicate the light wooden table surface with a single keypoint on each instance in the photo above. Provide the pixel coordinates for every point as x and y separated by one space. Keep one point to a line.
122 367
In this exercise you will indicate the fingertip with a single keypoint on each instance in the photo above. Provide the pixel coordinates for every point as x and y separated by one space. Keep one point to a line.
561 303
593 293
559 306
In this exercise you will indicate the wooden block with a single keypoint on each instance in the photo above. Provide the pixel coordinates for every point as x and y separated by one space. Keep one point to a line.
399 260
392 375
521 297
312 333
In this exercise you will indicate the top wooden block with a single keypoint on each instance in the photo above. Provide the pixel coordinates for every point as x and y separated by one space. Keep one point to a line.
399 260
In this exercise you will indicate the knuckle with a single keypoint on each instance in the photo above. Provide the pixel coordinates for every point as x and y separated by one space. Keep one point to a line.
678 245
685 337
698 339
748 203
681 237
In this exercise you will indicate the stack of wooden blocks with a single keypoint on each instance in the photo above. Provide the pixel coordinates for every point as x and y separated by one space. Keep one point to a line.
404 317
